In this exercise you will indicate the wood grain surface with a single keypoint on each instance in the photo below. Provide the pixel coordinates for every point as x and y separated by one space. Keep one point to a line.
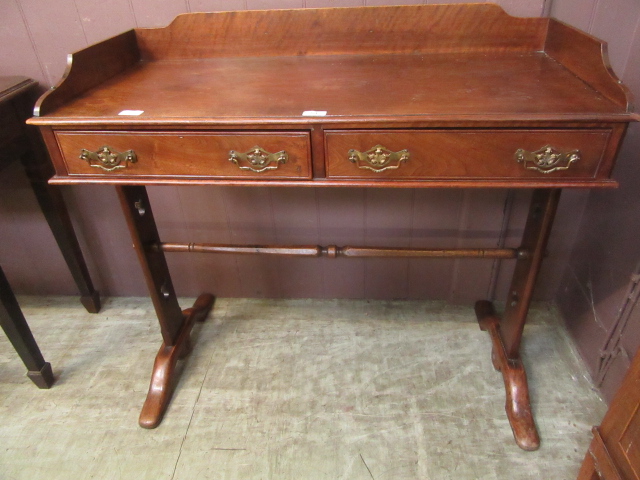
387 88
188 154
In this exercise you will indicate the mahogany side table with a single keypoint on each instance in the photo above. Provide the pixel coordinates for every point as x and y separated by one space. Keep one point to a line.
419 96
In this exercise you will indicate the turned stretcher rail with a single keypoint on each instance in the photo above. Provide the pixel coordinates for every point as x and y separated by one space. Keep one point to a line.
333 251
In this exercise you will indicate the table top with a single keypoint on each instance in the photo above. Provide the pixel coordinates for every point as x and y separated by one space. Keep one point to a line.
11 86
401 64
399 87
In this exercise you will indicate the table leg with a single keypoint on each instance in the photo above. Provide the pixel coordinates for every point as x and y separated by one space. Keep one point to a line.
17 330
175 325
55 212
506 333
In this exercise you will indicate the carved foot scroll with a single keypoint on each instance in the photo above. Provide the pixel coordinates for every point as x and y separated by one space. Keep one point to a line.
518 405
162 378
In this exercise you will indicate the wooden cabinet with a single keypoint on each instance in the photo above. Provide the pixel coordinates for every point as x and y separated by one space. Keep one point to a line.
614 453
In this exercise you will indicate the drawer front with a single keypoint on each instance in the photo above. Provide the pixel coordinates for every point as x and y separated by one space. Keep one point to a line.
464 154
260 155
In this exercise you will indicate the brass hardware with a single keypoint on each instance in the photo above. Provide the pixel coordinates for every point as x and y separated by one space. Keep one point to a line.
523 253
108 159
378 159
164 290
258 159
547 159
139 205
514 298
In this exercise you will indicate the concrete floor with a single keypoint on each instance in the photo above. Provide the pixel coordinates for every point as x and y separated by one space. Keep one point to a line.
295 389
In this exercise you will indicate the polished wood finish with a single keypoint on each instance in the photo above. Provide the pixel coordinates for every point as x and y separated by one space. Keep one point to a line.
344 31
402 89
542 210
614 453
97 63
175 325
137 211
163 378
348 251
579 52
517 403
188 154
506 333
466 94
470 154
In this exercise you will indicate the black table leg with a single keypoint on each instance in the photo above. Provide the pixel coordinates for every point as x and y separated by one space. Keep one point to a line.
55 212
17 330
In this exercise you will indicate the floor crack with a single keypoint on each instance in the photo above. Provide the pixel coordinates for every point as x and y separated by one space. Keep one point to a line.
367 467
193 411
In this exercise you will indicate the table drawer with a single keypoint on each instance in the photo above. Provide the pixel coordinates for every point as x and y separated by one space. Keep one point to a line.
187 154
452 154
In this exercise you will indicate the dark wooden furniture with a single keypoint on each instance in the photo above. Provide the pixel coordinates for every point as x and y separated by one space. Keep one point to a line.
457 96
17 329
17 141
614 453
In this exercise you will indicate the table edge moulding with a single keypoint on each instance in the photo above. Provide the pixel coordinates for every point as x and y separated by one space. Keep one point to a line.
414 96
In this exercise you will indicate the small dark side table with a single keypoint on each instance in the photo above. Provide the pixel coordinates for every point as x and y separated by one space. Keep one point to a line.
17 141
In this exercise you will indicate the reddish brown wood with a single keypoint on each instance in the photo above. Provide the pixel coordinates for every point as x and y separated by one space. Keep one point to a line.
587 57
506 333
482 154
332 251
588 469
359 252
518 404
90 67
177 154
598 464
400 87
614 453
534 240
456 183
317 152
611 151
137 211
301 251
393 29
462 87
163 378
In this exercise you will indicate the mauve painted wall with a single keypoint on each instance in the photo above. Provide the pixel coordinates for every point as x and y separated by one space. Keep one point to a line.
607 251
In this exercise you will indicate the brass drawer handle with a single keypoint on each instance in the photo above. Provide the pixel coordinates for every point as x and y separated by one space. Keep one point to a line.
108 159
258 159
547 159
378 158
